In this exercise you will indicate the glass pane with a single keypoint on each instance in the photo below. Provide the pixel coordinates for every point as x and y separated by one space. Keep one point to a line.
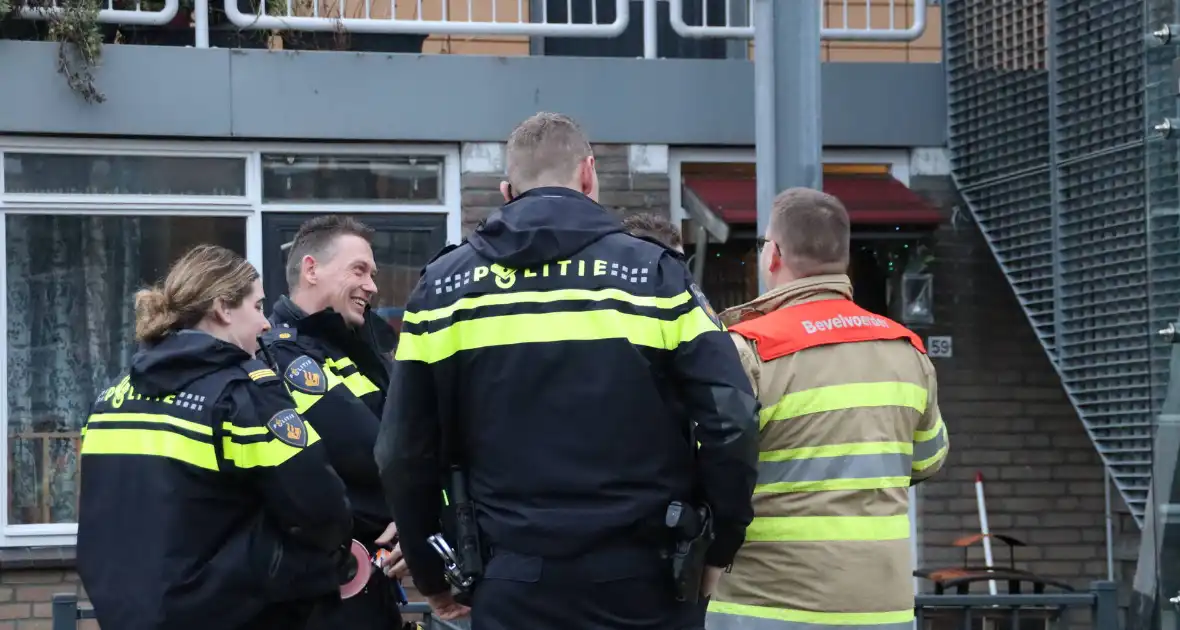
72 174
351 179
401 253
71 323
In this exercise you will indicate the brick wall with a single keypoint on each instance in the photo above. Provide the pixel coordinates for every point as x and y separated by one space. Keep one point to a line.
1009 419
25 596
620 189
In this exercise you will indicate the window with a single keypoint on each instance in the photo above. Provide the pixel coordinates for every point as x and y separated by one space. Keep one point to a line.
97 174
351 179
70 282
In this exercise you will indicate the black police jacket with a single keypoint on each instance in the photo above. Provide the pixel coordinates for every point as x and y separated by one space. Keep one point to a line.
338 377
206 502
549 340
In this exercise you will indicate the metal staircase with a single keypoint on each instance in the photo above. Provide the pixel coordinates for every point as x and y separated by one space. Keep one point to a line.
1047 126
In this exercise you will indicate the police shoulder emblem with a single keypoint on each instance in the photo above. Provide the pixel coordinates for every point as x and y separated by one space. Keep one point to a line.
305 375
289 428
705 306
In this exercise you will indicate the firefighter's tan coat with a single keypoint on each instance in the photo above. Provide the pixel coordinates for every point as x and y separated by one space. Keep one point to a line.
830 541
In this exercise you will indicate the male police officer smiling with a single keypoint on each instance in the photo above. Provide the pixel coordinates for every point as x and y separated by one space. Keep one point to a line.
334 355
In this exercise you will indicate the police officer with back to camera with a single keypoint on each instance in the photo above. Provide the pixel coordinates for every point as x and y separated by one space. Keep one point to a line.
530 388
335 354
207 501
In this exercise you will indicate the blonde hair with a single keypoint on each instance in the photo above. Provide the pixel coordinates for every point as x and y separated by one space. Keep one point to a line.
206 273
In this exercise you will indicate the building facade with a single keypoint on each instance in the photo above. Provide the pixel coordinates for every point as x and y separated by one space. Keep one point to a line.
396 113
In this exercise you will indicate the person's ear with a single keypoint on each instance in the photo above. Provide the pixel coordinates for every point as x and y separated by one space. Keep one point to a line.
776 258
586 177
309 269
506 190
220 312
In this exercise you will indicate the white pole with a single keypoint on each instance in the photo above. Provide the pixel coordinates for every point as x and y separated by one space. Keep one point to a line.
983 529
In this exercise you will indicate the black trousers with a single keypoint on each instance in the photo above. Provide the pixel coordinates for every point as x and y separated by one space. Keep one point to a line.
374 608
624 588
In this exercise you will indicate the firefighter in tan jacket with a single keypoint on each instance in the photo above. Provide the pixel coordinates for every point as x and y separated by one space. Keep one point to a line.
849 422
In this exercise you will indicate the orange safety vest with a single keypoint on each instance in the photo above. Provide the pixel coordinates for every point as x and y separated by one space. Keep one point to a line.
819 323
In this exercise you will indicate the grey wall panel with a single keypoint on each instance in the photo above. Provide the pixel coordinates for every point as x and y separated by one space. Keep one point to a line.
150 91
371 96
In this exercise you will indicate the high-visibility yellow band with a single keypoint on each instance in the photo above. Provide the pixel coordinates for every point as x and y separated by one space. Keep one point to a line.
836 450
926 435
553 327
152 418
305 401
850 396
359 384
828 528
790 619
262 453
542 297
150 443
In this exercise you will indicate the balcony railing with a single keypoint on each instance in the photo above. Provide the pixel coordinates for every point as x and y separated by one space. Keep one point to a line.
849 20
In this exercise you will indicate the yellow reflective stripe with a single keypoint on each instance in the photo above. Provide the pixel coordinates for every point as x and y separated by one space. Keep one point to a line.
543 297
812 617
152 443
153 418
828 528
925 435
261 454
305 401
849 396
338 363
359 384
826 485
506 330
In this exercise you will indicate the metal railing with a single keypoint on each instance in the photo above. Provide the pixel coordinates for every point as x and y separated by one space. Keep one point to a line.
67 613
1059 611
109 14
426 17
849 20
857 20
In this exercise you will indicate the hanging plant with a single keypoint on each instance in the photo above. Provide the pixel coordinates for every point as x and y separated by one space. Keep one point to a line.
75 29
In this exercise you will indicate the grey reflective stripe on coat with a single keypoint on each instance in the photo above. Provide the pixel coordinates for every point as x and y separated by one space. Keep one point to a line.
722 621
929 448
839 467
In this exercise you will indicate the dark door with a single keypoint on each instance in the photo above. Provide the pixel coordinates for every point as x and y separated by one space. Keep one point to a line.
402 246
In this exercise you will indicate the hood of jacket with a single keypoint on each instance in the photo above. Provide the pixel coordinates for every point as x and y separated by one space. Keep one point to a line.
181 358
542 225
827 287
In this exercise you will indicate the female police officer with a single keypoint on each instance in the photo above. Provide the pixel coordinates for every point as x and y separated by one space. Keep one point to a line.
206 501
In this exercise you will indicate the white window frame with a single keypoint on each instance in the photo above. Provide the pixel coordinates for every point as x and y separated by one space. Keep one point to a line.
248 206
899 167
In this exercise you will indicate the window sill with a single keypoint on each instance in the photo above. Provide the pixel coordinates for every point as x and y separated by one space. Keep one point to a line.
25 558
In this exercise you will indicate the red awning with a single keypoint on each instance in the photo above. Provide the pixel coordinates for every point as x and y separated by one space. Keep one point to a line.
869 199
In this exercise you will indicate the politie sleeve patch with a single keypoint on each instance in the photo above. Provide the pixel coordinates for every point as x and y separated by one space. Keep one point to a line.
305 375
705 306
289 428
